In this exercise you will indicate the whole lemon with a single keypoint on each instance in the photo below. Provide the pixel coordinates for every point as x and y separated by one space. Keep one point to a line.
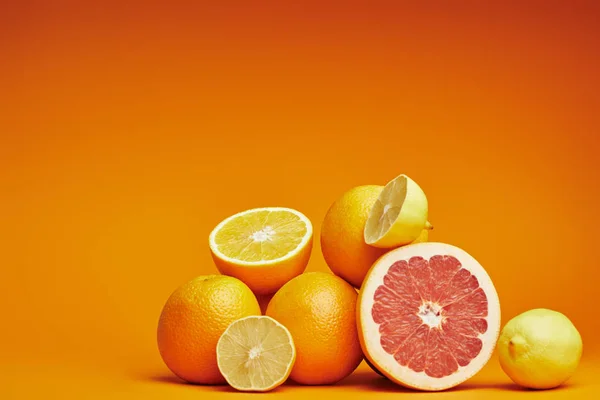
539 349
342 234
319 310
193 319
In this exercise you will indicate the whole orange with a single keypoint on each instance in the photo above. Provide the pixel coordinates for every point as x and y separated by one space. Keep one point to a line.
193 319
342 234
319 310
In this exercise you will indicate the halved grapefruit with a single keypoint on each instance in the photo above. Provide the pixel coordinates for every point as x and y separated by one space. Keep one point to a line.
428 316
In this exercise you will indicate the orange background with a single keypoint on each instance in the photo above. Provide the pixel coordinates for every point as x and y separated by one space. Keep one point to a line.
128 131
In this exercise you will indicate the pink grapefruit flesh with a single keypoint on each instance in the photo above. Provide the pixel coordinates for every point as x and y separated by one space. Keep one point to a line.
429 316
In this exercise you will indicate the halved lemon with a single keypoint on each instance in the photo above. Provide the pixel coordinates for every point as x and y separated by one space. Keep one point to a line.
256 354
398 216
263 247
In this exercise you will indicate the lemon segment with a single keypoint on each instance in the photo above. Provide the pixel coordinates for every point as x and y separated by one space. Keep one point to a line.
398 216
256 354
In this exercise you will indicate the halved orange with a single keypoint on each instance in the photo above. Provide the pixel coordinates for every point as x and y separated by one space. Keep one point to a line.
263 247
256 354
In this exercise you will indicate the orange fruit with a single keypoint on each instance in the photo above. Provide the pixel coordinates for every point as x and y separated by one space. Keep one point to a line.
256 354
192 321
319 309
263 247
342 234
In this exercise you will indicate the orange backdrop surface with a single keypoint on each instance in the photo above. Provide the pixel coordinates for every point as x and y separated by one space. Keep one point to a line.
128 131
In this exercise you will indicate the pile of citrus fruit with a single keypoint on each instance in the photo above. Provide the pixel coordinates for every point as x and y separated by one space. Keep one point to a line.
426 315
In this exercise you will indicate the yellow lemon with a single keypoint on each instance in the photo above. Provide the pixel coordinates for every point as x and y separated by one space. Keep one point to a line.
539 349
262 247
398 216
424 236
256 354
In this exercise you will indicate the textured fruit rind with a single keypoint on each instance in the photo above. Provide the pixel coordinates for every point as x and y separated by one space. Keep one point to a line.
539 349
193 319
267 279
342 234
319 311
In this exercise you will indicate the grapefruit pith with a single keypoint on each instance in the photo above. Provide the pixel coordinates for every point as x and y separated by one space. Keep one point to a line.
428 316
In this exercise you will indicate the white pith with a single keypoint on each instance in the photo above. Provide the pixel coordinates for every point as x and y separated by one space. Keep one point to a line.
261 235
430 314
370 330
254 352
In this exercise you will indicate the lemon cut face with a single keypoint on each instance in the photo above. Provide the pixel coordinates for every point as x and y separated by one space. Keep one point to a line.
261 236
256 354
398 216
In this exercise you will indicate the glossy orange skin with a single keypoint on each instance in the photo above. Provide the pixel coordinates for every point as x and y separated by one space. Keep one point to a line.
319 309
192 321
342 234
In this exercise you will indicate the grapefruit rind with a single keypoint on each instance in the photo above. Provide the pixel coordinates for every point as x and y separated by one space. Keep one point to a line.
368 330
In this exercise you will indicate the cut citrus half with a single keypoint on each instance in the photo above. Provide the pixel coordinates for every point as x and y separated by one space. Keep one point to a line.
256 354
428 316
263 247
398 216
